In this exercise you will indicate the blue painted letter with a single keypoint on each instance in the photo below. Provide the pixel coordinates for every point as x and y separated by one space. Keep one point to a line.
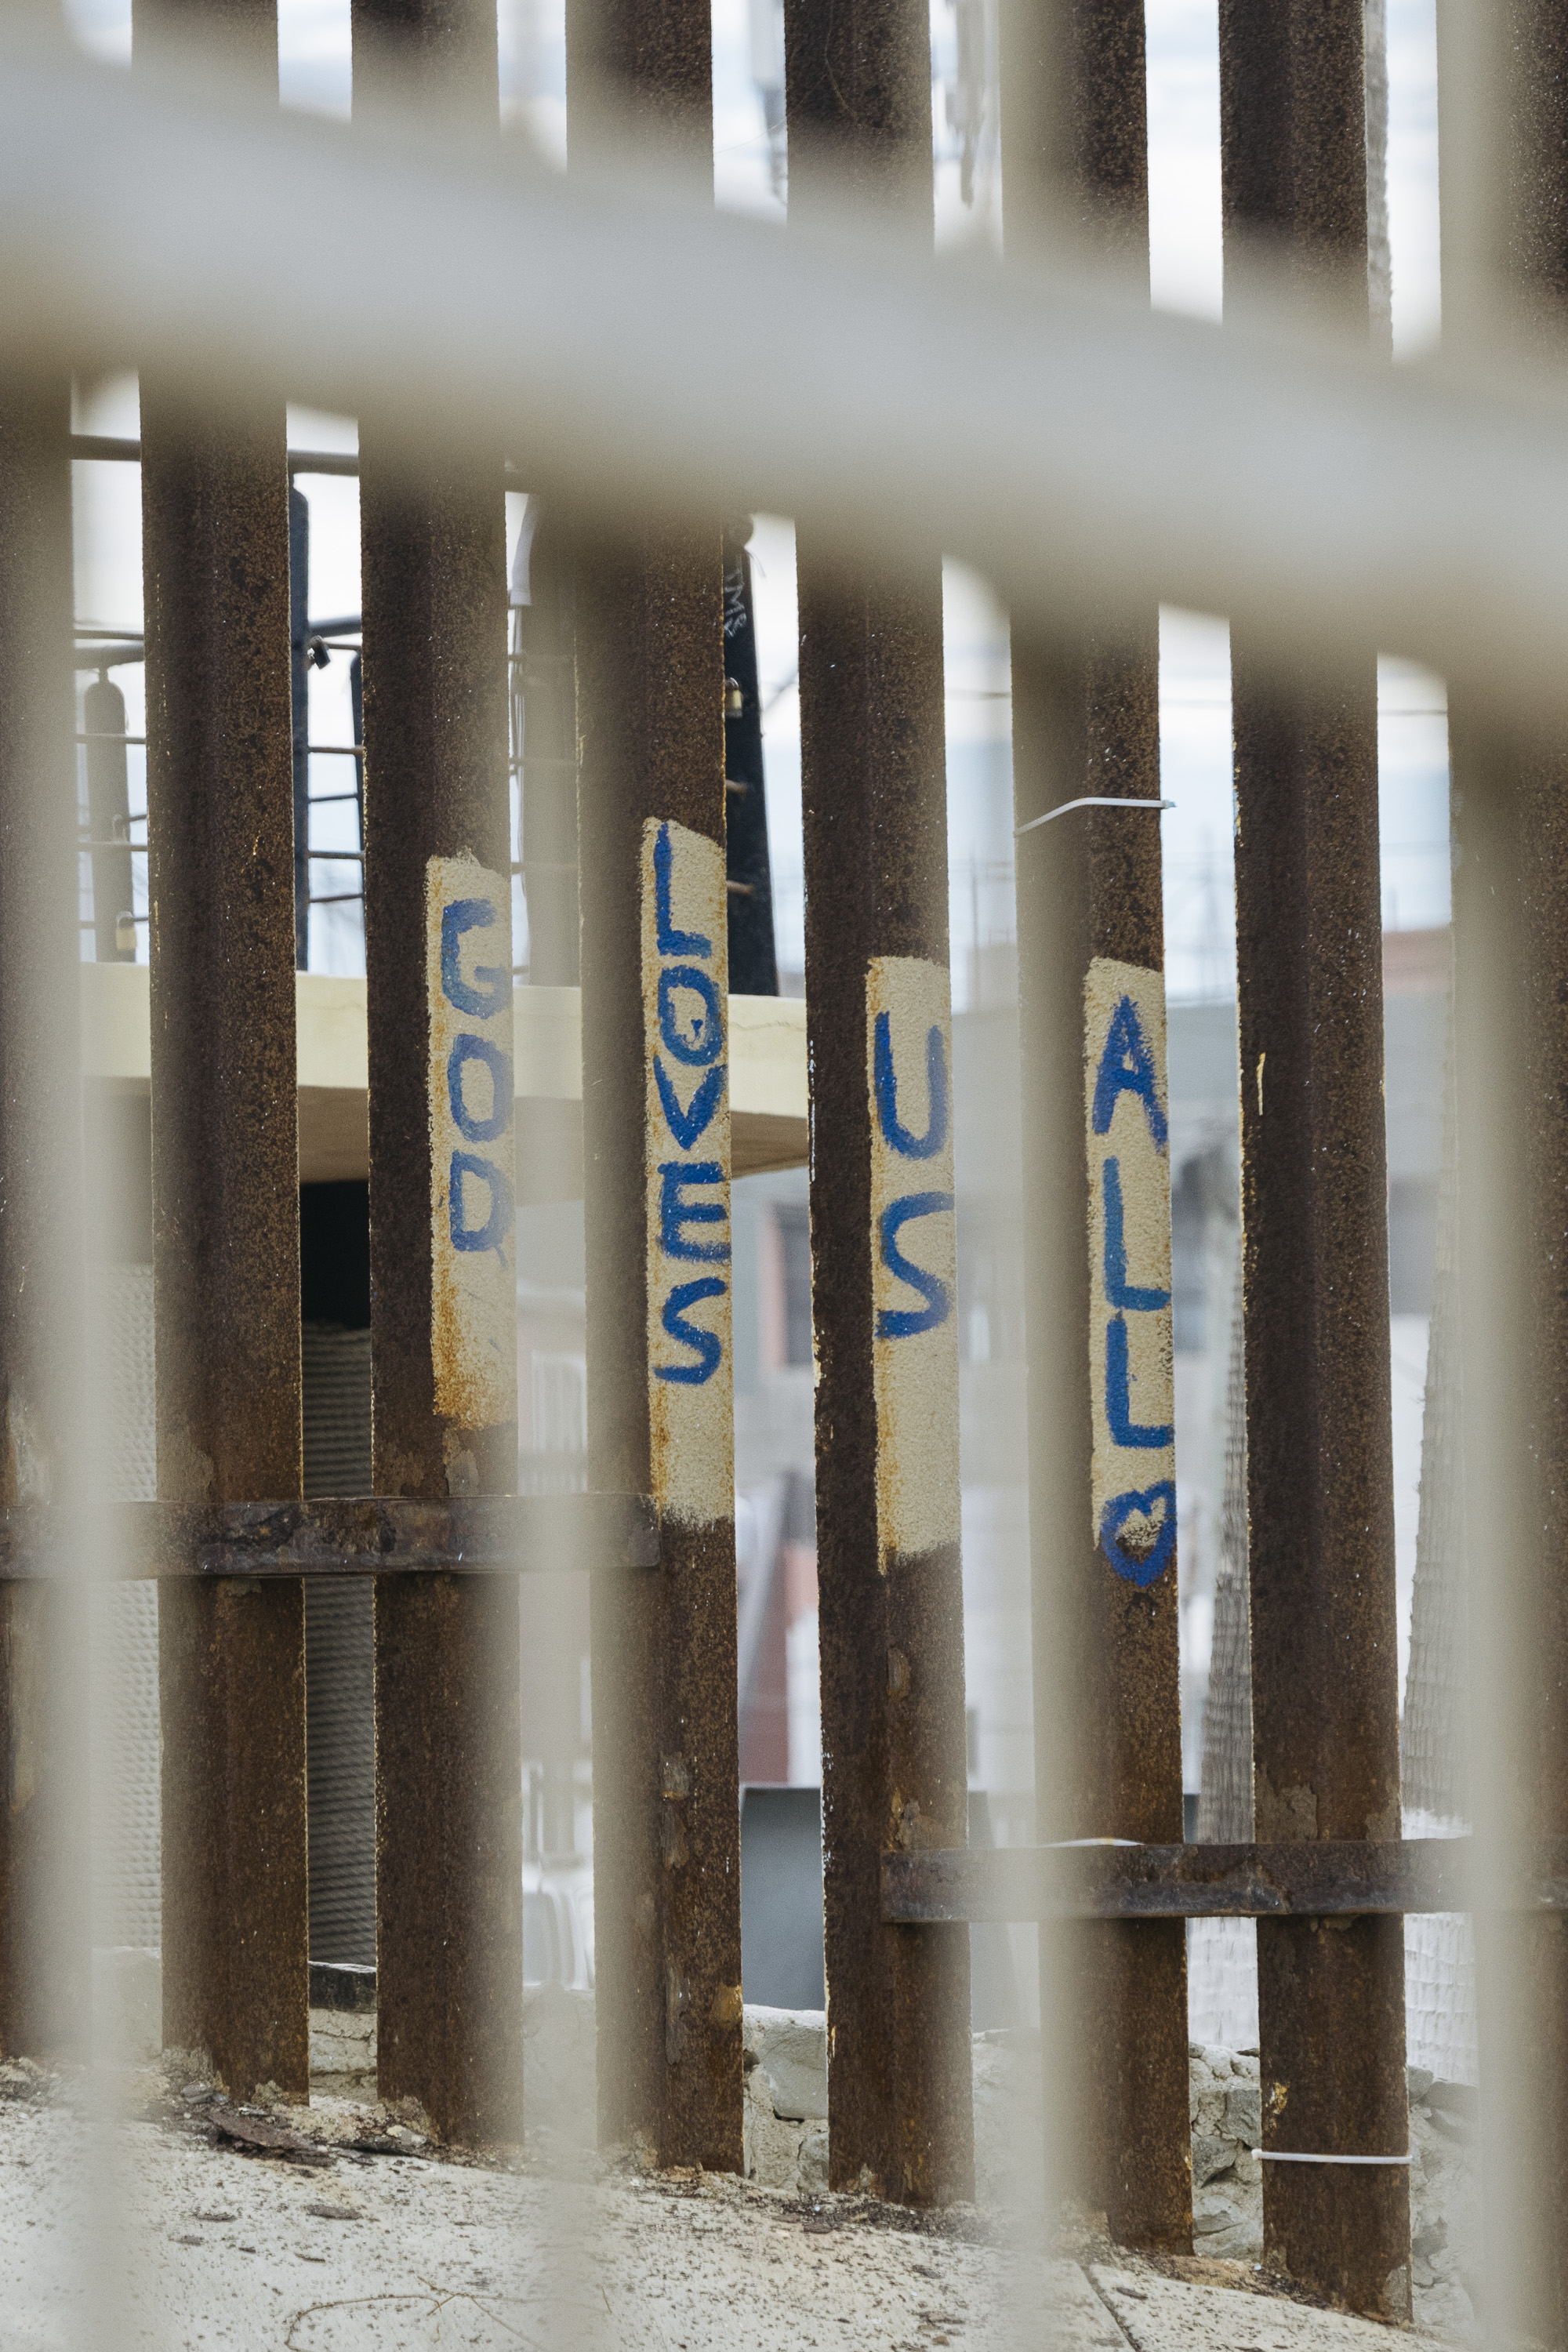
708 1346
670 940
503 1210
707 1041
675 1213
467 1048
902 1322
685 1126
1117 1292
472 915
1125 1430
913 1147
1127 1066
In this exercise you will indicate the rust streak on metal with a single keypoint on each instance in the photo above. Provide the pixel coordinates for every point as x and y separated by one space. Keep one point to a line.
448 1807
891 1615
43 1930
1086 725
1315 1263
225 1190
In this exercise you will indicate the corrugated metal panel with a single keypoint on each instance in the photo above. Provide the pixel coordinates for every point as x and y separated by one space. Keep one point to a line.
340 1728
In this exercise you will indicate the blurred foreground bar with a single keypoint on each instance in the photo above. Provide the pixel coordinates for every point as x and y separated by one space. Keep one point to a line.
1315 1252
437 887
225 1240
883 1288
43 1843
1510 988
1102 1509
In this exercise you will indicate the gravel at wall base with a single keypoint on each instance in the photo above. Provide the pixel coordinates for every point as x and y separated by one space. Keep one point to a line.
786 2119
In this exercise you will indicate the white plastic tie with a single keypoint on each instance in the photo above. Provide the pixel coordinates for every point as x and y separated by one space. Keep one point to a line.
1296 2156
1092 801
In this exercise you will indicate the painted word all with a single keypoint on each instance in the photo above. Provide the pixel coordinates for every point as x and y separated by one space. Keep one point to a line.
913 1277
1127 1139
473 1208
687 1150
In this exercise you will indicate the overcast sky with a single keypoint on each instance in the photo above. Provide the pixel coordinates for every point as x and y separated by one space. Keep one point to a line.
1185 214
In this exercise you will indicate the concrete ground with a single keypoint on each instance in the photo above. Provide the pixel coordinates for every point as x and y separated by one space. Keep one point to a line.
149 2227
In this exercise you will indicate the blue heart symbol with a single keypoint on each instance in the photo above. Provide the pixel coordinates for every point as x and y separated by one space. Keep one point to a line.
1140 1569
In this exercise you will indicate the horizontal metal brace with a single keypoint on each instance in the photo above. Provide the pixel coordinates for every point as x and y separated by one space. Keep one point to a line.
1317 1878
129 452
371 1535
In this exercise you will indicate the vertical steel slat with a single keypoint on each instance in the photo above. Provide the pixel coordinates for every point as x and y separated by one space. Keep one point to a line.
1091 1003
666 1739
650 675
438 900
891 1598
43 1927
1315 1254
226 1235
300 695
225 1241
1508 995
1511 923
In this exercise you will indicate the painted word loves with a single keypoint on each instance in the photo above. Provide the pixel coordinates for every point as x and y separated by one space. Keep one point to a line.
686 1128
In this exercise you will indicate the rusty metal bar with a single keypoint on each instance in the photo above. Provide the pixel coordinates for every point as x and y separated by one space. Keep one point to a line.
1321 1879
224 1191
656 1137
1103 1507
109 822
883 1283
437 900
371 1535
226 1228
1315 1256
43 1922
666 1754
